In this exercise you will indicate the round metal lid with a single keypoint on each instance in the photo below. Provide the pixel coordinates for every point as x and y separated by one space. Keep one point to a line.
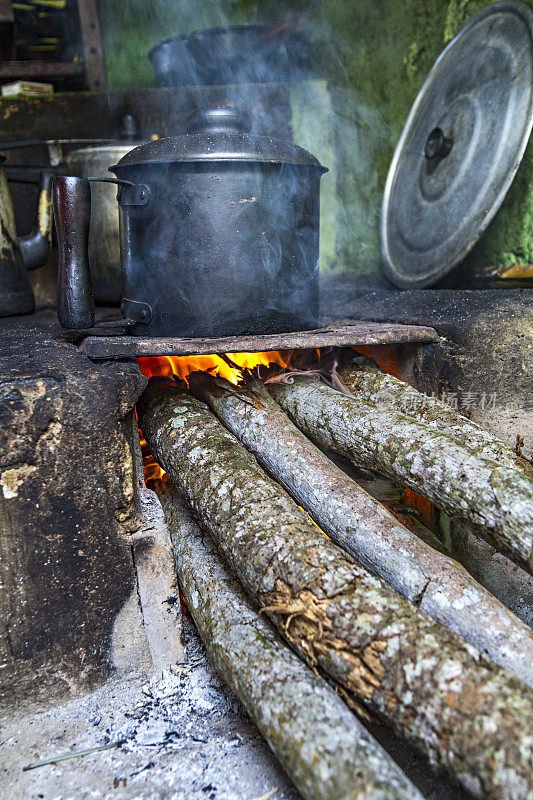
461 146
218 134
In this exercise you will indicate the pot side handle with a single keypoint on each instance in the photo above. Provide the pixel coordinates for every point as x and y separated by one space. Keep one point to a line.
72 212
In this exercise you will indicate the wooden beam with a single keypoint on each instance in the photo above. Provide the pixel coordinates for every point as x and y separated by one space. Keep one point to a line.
6 29
77 115
93 54
342 335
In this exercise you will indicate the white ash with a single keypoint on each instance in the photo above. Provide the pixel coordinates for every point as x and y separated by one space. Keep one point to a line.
187 738
182 704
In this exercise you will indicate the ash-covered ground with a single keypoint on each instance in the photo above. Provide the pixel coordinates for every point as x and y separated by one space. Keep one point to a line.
185 737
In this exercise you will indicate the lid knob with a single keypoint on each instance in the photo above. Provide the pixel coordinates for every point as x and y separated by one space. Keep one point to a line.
438 145
129 127
219 119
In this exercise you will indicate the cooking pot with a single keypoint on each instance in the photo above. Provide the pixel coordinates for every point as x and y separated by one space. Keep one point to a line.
219 234
19 254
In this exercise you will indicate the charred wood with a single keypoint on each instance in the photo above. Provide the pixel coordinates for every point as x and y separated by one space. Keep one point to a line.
495 499
326 751
465 713
365 529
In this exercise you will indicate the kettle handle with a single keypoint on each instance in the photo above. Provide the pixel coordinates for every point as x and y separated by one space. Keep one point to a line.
35 247
72 212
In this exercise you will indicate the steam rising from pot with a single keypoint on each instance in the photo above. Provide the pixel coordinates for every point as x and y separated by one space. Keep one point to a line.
329 119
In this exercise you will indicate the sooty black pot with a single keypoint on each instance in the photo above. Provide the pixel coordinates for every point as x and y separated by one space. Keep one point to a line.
219 234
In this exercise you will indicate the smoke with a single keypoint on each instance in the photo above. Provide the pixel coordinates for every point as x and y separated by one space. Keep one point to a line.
292 72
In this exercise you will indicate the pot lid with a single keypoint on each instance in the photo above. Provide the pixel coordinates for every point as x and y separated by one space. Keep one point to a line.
218 134
461 146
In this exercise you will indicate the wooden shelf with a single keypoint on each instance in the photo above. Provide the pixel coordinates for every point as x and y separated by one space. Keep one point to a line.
28 70
88 73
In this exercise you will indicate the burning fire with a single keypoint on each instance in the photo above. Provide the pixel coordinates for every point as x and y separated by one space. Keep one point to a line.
228 366
385 356
231 366
424 509
152 470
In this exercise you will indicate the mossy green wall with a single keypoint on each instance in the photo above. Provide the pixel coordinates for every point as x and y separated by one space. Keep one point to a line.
377 55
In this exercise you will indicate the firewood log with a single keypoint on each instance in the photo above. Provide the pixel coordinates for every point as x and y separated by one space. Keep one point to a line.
496 500
503 578
363 378
392 496
365 529
464 712
322 746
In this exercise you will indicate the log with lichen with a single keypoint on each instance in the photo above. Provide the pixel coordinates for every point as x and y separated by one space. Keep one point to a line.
504 579
465 713
364 528
495 499
364 380
322 746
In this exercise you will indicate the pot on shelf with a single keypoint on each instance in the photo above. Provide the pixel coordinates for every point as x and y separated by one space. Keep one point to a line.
239 54
219 234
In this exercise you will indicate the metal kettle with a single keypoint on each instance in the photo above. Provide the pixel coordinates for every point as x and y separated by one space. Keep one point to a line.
19 254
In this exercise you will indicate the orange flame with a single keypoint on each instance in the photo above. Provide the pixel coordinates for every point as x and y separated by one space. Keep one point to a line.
425 510
182 366
152 470
384 354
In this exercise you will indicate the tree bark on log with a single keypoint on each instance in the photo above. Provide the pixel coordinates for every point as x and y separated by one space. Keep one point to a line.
495 500
363 378
365 529
325 750
465 713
